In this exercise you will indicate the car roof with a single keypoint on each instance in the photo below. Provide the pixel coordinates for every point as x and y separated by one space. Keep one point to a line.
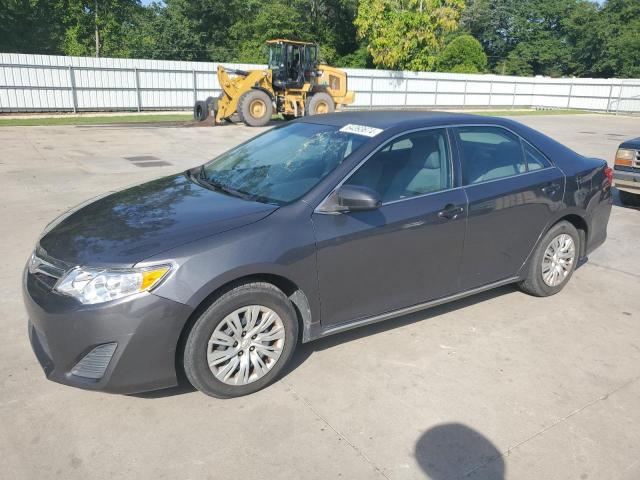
385 119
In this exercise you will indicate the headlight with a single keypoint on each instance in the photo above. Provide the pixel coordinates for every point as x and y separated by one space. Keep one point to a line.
91 286
625 157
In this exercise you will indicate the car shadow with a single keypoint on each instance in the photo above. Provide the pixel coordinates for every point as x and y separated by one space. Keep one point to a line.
618 203
305 350
453 451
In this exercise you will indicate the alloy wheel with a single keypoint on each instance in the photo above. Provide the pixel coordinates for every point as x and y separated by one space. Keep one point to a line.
246 345
558 259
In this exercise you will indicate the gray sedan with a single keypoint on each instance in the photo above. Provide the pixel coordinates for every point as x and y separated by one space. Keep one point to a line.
315 227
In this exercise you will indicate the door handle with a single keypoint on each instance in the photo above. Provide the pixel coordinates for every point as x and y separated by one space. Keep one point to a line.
550 189
450 212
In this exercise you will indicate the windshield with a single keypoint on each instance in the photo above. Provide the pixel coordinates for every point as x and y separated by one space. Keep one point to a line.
283 164
275 56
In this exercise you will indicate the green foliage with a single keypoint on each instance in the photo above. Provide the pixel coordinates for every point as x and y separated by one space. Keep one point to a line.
30 26
406 34
557 37
532 37
463 54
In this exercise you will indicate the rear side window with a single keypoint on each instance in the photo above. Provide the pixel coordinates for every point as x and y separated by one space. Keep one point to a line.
409 166
489 153
535 159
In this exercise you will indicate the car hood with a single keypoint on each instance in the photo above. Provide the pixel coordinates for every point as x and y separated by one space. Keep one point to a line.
126 227
633 143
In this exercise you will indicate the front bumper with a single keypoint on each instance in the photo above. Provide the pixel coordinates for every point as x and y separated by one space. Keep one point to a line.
145 327
629 181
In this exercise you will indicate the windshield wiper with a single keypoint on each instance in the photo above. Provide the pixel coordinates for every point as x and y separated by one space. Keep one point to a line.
202 178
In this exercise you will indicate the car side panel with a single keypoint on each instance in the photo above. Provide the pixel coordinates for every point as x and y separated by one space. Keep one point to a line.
506 217
282 244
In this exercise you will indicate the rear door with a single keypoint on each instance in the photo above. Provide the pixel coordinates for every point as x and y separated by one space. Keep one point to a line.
403 253
513 190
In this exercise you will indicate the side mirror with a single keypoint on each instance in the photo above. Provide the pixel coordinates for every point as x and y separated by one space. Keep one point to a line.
352 198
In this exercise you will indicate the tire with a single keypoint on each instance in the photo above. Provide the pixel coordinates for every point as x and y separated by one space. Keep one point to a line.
541 281
319 103
198 353
629 199
200 111
255 108
212 104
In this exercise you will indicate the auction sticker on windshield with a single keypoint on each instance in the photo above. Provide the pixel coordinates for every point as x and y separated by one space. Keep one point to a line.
361 130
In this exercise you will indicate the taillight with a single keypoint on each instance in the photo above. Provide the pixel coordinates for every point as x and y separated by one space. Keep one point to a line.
625 157
608 172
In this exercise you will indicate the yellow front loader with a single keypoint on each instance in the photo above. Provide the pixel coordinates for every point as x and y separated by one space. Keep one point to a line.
293 85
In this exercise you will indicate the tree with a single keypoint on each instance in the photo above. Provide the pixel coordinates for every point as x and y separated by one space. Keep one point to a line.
406 34
463 54
621 49
31 26
530 35
112 19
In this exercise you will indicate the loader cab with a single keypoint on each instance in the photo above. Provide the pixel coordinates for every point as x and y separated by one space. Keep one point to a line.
292 63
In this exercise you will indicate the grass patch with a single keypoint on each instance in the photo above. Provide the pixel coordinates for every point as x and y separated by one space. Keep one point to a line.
80 120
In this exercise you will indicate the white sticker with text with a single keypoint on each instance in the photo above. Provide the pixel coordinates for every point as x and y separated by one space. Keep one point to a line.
361 130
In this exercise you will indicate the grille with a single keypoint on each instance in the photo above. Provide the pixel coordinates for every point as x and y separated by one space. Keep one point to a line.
636 163
46 269
95 363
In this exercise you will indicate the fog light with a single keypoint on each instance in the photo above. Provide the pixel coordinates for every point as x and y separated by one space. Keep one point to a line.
95 363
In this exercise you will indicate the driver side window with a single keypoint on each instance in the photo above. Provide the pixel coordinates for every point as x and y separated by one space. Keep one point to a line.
411 165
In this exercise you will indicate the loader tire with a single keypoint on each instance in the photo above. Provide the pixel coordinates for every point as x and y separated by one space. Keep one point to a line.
319 104
255 108
200 111
212 103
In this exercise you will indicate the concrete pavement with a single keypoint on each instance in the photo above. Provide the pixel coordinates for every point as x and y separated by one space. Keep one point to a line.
499 385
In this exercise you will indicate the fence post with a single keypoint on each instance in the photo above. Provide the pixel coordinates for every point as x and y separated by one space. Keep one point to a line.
609 99
619 97
513 100
464 97
490 93
371 95
435 97
74 95
139 102
195 87
569 98
406 88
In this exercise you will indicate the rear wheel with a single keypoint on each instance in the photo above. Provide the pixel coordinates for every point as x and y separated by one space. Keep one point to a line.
255 108
241 342
630 199
319 104
553 262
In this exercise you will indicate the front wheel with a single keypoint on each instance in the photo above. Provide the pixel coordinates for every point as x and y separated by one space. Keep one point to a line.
241 342
553 262
255 108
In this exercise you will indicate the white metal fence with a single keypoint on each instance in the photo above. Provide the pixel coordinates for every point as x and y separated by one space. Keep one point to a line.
41 83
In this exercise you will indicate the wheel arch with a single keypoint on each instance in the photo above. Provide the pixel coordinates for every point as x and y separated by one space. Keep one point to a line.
575 217
581 225
265 90
296 296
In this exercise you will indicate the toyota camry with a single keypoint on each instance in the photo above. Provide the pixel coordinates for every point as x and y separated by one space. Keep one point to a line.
312 228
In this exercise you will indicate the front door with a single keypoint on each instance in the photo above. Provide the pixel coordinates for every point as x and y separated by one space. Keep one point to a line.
405 252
